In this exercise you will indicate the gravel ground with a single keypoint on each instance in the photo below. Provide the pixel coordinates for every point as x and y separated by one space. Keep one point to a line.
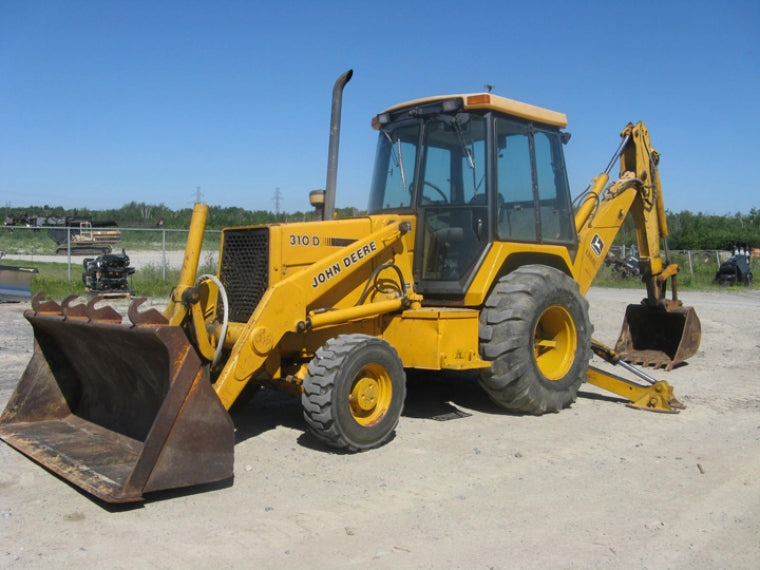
598 485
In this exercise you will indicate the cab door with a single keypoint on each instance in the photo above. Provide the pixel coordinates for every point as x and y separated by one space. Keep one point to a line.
451 200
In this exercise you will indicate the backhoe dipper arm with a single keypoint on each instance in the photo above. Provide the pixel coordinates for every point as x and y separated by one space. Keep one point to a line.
648 211
283 308
603 212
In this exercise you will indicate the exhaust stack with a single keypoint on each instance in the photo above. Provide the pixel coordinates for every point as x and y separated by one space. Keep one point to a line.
332 154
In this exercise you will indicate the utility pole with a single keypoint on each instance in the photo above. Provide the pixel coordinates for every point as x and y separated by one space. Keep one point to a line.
198 195
277 197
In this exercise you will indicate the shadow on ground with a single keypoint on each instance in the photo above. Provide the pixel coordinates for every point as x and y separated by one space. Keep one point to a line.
436 396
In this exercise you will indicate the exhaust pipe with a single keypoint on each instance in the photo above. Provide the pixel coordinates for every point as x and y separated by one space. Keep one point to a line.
332 153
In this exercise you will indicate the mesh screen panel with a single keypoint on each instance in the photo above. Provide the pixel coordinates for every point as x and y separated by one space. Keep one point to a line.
244 270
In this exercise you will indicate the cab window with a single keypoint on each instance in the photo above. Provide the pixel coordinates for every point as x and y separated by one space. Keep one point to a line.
534 198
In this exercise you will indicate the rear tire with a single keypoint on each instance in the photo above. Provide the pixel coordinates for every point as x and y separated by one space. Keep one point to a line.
536 331
354 392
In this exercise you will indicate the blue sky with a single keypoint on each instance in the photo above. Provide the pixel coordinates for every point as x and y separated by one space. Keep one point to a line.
106 102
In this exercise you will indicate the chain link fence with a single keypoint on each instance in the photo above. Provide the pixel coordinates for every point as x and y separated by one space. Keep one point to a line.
695 264
161 250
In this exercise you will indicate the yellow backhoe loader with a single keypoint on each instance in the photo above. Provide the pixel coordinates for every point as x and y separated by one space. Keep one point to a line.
472 257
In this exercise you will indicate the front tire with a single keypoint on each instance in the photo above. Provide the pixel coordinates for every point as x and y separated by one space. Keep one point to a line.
354 392
536 331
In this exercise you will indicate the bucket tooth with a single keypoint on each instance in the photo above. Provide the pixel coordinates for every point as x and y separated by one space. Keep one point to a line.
145 318
78 311
647 359
42 306
104 314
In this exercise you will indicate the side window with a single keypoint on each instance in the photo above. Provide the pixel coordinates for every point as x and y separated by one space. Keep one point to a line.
547 188
553 197
534 200
514 179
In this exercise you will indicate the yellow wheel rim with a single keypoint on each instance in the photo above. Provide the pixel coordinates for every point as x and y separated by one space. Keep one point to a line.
554 342
371 395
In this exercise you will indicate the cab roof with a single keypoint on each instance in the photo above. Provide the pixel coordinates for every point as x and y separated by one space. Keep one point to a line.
491 102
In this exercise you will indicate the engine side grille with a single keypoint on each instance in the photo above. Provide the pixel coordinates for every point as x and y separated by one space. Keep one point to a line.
244 270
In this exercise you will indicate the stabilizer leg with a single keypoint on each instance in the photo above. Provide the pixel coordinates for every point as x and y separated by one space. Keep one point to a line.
657 397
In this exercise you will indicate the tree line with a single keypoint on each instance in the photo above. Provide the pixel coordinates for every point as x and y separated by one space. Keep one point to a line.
140 214
688 231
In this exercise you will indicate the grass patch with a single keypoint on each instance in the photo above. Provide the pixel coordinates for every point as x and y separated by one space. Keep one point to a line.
53 279
26 241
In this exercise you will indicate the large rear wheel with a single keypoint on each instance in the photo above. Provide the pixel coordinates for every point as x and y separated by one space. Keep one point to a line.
536 331
354 392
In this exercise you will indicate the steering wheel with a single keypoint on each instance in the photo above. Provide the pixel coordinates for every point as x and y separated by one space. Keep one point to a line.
434 187
225 314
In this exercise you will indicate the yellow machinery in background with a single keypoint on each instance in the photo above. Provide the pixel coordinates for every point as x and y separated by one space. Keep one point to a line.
472 257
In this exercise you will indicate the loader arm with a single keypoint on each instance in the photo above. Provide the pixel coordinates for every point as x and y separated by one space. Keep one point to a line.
283 309
179 305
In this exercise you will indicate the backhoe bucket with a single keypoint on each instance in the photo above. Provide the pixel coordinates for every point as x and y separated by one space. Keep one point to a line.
659 337
117 410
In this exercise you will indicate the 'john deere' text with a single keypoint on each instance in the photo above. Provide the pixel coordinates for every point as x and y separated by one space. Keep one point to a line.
335 269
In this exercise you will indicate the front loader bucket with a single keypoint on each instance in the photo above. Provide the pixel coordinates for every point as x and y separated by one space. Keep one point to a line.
117 410
659 337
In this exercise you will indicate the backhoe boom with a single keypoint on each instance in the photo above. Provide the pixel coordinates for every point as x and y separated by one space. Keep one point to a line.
659 332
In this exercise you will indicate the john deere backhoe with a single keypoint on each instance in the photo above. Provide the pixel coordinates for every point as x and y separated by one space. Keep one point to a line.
472 257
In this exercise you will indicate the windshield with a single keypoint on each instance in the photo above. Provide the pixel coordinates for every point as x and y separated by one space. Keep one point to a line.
395 162
450 169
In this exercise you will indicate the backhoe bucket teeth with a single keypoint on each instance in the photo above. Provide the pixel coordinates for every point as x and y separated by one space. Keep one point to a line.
117 410
659 337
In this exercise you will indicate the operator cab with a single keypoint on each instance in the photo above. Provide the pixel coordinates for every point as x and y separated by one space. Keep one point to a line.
475 169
